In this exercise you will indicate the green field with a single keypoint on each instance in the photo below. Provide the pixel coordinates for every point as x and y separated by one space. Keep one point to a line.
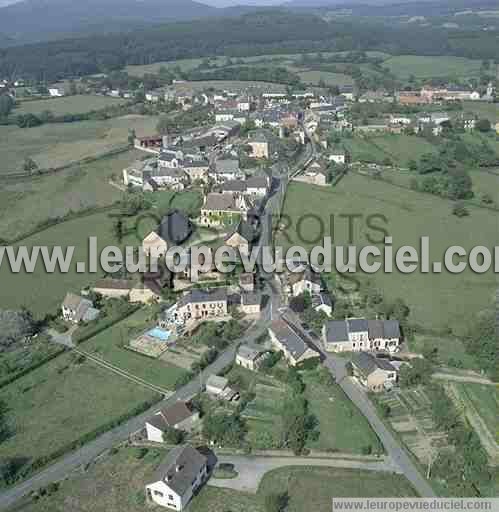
68 104
485 400
42 292
26 203
54 145
400 149
450 351
404 66
61 401
488 111
436 300
110 346
314 77
116 484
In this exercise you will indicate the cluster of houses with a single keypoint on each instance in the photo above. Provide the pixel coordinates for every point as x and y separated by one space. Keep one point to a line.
428 95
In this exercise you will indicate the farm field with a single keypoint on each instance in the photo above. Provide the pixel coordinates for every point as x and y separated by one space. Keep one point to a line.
404 66
110 346
61 401
314 77
43 292
488 111
26 203
116 484
437 301
77 104
398 148
54 145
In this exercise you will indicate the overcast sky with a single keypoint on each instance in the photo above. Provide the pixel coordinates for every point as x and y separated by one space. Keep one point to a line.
225 3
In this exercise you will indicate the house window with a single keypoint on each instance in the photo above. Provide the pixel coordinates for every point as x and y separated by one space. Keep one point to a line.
158 493
170 497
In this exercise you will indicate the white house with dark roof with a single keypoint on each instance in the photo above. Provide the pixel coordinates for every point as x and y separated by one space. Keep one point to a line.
178 416
199 305
359 334
224 209
177 478
306 281
78 309
294 343
250 358
226 169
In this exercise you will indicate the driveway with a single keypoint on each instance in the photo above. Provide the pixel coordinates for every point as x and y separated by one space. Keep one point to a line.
251 470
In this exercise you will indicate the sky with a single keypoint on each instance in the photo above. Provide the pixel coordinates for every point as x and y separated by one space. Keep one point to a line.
227 3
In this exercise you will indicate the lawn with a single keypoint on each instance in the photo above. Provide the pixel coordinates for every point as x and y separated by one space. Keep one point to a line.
404 66
43 292
438 301
342 427
68 104
61 401
110 346
116 484
54 145
25 203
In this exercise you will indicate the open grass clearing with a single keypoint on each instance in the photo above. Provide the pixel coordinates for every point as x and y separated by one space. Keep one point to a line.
42 292
24 204
55 145
437 301
342 427
77 104
330 79
61 401
404 66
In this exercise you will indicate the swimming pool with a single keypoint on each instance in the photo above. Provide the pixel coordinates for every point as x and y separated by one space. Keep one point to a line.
159 334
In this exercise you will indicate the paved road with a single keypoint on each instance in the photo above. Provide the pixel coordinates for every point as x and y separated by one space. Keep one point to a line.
86 454
464 378
251 470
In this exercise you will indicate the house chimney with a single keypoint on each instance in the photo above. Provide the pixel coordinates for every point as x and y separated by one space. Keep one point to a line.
178 468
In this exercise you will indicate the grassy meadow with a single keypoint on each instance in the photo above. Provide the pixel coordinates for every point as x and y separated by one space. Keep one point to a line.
77 104
61 401
330 79
438 301
54 145
422 67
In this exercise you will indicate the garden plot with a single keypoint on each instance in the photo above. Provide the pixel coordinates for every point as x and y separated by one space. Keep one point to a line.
183 355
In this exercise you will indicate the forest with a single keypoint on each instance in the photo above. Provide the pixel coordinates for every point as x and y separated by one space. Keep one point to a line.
264 32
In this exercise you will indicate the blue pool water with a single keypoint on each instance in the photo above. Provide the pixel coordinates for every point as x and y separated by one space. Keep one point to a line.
159 334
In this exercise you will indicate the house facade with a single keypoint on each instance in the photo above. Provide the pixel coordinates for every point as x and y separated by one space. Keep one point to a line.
199 305
359 334
77 309
178 416
375 374
177 479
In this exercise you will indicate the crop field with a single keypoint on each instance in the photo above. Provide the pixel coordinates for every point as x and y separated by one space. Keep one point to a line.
404 66
437 300
61 401
54 145
42 292
77 104
111 344
26 203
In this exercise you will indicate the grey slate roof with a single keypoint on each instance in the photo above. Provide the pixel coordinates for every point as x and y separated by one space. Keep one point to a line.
250 298
366 363
189 461
244 229
227 165
175 227
336 331
357 325
391 328
248 352
234 186
290 337
197 296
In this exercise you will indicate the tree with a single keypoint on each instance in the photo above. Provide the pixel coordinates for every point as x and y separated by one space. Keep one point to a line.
118 229
131 137
15 326
415 374
29 165
6 105
276 501
460 185
459 210
223 428
483 125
